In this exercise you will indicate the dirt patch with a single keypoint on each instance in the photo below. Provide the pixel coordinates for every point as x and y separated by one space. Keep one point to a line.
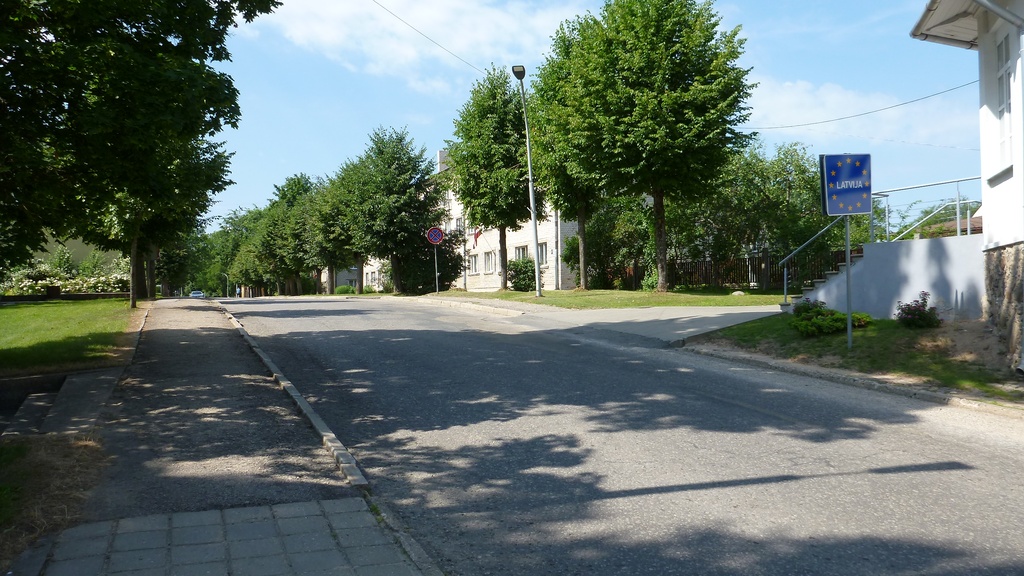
975 342
45 480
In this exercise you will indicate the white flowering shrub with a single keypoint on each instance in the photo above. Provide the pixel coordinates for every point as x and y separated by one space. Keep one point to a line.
33 279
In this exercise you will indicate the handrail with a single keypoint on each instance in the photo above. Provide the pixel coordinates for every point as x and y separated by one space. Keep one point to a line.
785 269
937 210
813 238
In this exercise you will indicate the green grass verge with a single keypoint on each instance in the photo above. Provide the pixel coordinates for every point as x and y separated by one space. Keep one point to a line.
590 299
61 335
11 480
884 346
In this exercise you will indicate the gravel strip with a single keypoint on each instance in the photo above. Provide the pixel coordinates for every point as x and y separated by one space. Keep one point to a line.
197 423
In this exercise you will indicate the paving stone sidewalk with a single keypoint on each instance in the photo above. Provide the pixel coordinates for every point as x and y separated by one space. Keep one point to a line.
328 537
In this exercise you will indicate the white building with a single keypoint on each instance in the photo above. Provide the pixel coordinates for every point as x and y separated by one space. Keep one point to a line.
482 273
480 249
994 28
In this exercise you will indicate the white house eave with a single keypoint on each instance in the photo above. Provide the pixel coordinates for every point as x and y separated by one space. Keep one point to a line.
949 22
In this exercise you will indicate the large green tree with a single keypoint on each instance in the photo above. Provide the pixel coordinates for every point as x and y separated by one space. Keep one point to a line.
393 201
656 96
567 183
98 101
487 166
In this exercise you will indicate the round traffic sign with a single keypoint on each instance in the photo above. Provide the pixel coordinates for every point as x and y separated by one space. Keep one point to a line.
435 235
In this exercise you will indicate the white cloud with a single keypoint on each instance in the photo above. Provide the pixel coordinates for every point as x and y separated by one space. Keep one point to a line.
377 37
949 120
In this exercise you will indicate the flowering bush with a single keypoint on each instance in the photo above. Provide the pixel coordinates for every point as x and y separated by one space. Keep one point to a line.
918 314
33 279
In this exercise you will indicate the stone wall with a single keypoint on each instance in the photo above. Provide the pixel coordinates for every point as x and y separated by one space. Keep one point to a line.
1004 286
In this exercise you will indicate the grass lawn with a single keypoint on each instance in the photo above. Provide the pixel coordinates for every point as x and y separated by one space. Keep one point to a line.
62 336
941 355
625 299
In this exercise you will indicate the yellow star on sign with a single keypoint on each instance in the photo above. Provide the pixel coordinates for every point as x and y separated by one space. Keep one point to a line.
834 197
851 208
840 204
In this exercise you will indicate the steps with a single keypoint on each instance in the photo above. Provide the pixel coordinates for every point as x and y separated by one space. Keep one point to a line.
809 292
75 408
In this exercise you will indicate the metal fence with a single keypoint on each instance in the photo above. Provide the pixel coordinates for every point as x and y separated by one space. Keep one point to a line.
755 271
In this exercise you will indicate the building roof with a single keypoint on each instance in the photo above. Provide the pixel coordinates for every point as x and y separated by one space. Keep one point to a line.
950 22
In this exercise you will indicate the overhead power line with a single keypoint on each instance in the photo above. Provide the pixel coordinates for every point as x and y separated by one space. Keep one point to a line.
435 42
862 113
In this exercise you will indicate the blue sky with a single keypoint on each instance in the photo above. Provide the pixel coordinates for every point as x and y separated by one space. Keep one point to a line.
318 76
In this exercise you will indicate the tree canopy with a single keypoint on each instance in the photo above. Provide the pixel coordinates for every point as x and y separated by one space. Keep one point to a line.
487 166
106 108
655 95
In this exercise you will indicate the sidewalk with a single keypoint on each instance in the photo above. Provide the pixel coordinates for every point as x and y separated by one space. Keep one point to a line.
213 471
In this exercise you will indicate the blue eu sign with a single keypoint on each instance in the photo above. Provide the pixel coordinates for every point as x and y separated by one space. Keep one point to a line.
845 184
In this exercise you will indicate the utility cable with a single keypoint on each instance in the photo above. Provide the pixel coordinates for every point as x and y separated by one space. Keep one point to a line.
862 113
436 43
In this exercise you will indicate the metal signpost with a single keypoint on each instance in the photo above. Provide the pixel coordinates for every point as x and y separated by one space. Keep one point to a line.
846 191
435 235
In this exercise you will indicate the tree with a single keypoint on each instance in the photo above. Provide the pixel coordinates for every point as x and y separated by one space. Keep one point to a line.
656 94
569 186
392 201
487 166
98 101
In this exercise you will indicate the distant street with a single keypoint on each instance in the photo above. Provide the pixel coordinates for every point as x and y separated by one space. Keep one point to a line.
508 449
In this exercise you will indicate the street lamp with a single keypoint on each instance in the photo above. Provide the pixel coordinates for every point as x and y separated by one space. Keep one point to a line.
520 72
226 282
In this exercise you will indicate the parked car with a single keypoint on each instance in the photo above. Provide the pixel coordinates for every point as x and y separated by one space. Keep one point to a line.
197 294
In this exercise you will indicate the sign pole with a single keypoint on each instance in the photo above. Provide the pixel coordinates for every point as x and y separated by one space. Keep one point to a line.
435 236
849 290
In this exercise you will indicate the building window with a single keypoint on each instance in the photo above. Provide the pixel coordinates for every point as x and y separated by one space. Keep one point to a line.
542 251
474 264
489 262
458 224
521 252
1004 73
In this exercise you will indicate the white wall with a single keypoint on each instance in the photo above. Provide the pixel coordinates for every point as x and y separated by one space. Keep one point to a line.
1002 190
951 269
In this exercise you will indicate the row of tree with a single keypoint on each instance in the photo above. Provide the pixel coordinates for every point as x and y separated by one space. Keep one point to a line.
634 113
377 205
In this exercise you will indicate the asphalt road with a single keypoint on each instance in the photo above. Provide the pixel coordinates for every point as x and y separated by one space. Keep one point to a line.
509 448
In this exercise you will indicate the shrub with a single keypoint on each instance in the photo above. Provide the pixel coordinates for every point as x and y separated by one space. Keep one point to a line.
344 290
918 314
811 318
807 306
521 277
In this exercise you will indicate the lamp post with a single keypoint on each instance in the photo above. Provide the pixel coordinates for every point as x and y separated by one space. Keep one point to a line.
226 282
520 72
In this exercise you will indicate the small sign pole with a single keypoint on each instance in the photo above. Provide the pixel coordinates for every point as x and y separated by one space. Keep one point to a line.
849 290
435 236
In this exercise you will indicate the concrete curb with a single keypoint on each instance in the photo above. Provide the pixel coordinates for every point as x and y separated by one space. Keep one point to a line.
469 306
861 381
342 457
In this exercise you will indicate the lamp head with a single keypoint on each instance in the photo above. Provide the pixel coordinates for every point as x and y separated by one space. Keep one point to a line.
519 72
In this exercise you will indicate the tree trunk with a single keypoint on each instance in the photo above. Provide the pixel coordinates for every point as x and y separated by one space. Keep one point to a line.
359 272
660 239
502 259
331 282
132 264
396 278
154 253
581 234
